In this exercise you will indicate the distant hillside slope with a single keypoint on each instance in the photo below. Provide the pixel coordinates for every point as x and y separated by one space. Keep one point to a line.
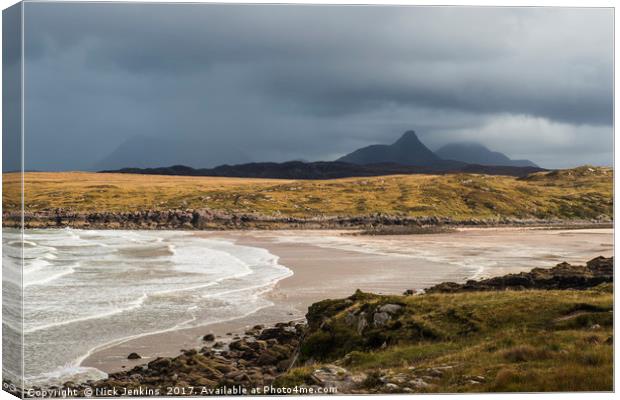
581 193
321 170
476 153
143 152
408 150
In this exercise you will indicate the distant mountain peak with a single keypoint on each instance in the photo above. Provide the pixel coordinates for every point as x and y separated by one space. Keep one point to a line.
407 139
407 150
409 135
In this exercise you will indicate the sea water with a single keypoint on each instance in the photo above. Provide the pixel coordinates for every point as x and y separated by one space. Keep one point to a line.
86 290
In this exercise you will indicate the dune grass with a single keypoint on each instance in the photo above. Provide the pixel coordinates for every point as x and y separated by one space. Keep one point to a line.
581 193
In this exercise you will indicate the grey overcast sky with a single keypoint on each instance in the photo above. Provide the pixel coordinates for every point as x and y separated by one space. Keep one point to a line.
201 85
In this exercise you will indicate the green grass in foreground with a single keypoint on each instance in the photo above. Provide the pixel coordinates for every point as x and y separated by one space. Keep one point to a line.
518 341
580 193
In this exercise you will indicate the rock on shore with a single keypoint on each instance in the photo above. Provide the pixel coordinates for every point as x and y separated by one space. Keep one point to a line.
562 276
254 360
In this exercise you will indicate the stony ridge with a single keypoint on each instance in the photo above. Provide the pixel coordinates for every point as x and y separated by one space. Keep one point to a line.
252 359
210 219
562 276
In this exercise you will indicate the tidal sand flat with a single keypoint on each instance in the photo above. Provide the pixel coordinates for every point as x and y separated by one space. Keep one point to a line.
333 264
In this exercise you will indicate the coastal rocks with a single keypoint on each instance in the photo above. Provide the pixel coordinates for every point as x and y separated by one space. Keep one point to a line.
417 380
357 321
391 308
390 381
282 334
159 364
562 276
134 356
380 319
250 361
204 218
209 337
385 313
412 380
332 376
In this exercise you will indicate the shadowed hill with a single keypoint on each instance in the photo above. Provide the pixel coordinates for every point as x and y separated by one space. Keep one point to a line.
475 153
323 170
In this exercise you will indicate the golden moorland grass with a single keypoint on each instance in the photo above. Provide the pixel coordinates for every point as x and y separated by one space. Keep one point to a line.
584 192
531 340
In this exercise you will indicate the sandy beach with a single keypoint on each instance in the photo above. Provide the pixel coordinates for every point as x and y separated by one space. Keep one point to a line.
333 264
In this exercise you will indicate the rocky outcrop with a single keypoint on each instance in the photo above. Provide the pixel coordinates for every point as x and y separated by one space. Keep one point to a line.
562 276
205 219
254 360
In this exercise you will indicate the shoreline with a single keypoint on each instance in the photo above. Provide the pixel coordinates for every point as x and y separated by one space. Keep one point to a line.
340 273
290 298
274 355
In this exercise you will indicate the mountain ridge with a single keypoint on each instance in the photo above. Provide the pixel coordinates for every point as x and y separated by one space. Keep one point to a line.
476 153
407 155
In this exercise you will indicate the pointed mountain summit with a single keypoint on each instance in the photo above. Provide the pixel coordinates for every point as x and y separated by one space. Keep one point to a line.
408 150
476 153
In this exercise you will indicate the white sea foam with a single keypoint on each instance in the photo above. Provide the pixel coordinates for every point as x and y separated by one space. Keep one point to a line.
92 289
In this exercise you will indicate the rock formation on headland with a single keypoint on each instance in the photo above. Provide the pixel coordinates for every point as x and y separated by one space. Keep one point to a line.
562 276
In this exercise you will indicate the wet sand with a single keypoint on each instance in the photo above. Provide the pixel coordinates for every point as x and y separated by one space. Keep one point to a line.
322 272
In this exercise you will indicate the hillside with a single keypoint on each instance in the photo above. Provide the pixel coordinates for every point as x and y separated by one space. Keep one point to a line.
475 153
582 193
146 151
325 170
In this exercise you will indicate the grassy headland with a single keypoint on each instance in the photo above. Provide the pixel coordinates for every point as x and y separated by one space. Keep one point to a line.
533 340
583 193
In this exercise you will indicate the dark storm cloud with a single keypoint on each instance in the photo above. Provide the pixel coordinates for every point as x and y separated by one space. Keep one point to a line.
313 82
11 89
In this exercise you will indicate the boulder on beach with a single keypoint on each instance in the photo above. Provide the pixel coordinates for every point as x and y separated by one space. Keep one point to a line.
133 356
209 337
